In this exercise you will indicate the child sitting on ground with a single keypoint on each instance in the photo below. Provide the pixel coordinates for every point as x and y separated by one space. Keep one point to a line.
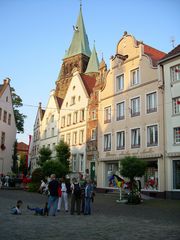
16 210
40 211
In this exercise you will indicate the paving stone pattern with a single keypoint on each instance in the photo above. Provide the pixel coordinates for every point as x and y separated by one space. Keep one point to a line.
153 219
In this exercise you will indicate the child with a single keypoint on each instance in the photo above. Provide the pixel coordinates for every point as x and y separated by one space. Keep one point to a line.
16 210
40 211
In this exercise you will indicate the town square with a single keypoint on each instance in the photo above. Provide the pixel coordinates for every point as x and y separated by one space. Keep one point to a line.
89 119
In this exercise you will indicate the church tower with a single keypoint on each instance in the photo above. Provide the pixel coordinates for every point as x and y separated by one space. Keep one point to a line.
77 56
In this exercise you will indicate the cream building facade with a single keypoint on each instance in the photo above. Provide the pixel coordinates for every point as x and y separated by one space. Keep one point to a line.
7 127
131 114
169 69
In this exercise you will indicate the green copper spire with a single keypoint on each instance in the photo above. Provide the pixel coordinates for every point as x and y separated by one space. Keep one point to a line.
93 64
80 43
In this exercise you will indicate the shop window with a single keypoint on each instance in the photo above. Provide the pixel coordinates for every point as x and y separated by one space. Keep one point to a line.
176 174
151 176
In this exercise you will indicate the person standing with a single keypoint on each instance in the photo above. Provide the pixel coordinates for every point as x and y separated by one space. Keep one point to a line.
53 195
64 196
76 196
88 198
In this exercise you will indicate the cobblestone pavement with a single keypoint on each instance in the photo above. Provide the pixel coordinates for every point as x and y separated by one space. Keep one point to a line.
153 219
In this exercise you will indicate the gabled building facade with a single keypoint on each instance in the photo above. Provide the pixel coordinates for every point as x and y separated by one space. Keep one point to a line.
131 114
169 69
7 127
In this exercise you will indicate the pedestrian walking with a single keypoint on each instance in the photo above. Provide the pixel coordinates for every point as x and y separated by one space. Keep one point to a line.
64 196
53 195
88 198
76 196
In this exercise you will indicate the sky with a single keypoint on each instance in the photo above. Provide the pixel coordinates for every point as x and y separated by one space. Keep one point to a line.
34 35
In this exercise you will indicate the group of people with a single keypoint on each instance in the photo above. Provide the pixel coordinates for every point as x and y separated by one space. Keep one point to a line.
59 192
81 196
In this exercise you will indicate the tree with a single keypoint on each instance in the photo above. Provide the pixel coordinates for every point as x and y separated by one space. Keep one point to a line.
23 164
133 167
55 167
63 154
45 154
14 167
19 117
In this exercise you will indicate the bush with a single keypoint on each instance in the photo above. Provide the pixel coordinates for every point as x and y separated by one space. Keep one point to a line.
55 167
37 175
33 187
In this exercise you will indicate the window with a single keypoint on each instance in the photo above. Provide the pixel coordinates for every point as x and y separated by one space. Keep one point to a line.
52 118
5 117
120 82
93 115
175 73
62 137
107 115
120 110
75 117
6 99
74 138
68 138
68 119
81 162
151 100
3 135
152 135
63 121
45 134
135 107
135 77
120 138
176 105
177 135
107 142
0 113
52 132
81 136
176 174
135 138
82 115
9 119
93 134
73 100
54 146
74 162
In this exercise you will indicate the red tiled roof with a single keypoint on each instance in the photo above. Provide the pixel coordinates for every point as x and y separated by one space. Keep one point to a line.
59 101
89 82
21 146
154 54
171 54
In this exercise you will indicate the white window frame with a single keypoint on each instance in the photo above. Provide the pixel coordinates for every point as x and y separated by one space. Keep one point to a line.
81 162
136 113
82 115
119 82
119 116
81 136
68 138
108 148
148 143
63 121
176 137
74 163
75 138
153 108
175 76
93 133
75 117
176 105
69 119
133 146
135 81
107 114
124 140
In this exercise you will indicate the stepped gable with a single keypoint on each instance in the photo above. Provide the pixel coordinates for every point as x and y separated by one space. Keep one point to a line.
89 82
154 54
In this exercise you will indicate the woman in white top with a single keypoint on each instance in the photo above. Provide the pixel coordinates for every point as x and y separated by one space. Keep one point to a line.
63 197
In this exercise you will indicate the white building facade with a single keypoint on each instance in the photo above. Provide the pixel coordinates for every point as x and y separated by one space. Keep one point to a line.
7 128
169 68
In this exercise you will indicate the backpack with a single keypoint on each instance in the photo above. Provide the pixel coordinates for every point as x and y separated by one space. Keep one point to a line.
77 190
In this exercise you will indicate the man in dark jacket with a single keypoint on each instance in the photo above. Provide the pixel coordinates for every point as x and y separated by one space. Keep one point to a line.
53 196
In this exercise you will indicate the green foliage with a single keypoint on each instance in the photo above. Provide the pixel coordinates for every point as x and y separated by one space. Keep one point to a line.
63 154
132 167
23 166
37 175
19 117
54 166
33 187
45 154
14 167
